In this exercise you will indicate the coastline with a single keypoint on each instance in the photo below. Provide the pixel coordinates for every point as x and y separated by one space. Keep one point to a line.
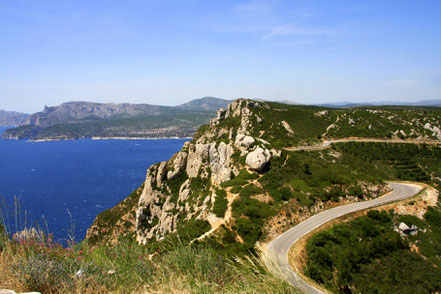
107 138
138 138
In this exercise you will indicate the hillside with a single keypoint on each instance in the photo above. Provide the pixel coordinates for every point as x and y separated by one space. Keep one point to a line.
234 184
12 118
75 120
380 252
206 103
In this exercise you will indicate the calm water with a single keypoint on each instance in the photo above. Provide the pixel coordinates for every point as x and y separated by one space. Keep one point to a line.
84 177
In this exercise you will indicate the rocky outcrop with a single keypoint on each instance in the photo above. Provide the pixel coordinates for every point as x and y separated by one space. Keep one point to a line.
220 158
243 142
258 159
170 195
178 164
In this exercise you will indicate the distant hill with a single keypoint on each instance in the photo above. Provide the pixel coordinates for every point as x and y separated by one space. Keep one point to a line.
76 120
206 103
435 102
11 118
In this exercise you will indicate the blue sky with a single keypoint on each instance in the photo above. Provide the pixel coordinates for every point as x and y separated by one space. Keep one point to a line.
168 52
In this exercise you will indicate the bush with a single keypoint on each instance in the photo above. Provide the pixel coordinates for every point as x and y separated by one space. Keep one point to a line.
220 203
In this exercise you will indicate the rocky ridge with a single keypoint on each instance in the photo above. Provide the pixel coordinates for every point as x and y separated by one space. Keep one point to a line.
206 158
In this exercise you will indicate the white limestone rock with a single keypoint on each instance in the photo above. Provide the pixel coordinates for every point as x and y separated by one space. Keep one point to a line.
243 141
177 165
258 159
196 155
220 162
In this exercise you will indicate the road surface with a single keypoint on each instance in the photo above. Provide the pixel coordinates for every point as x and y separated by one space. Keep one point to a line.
327 143
278 249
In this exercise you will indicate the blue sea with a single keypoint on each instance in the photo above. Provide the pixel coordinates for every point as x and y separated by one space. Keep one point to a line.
81 178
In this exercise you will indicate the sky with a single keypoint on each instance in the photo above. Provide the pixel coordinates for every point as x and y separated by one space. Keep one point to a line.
169 52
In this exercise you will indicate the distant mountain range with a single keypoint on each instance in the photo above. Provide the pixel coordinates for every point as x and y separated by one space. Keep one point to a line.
435 102
12 118
75 120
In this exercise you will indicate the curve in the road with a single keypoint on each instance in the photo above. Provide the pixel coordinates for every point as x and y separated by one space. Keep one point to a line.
277 252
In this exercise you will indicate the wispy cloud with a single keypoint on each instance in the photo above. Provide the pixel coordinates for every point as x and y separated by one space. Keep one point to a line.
292 30
402 83
268 20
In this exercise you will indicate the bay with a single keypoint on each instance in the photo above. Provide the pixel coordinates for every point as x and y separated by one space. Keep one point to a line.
67 183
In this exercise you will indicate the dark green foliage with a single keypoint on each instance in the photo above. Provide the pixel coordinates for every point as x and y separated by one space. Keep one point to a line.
250 230
250 190
235 189
220 203
252 208
240 180
193 229
306 125
393 161
367 256
175 184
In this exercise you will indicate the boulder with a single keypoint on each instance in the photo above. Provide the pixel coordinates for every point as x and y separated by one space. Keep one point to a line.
258 159
403 227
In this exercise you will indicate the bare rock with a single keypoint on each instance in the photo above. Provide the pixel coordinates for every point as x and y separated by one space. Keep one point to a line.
287 127
196 156
177 165
220 162
243 141
258 159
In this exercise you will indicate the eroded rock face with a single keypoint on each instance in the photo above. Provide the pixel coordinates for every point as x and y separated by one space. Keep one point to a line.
220 162
243 141
177 164
197 154
258 159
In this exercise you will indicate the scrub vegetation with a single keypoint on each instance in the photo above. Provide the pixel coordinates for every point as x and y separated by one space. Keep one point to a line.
367 255
31 261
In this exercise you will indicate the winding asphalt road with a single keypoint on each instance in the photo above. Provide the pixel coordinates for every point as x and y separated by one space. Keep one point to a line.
277 252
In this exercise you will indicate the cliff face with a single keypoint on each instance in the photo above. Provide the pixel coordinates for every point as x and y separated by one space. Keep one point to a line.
184 188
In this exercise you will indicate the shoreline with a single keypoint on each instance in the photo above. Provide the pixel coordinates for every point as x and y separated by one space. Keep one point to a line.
110 138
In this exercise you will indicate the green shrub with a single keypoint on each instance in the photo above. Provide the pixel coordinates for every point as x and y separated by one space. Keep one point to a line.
220 203
250 190
240 180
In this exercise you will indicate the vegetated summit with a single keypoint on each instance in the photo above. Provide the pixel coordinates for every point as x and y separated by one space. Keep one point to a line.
75 120
235 185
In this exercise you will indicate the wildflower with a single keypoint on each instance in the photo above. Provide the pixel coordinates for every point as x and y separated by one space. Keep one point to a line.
80 252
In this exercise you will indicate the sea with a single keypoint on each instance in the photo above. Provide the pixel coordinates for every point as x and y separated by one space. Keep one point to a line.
61 186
